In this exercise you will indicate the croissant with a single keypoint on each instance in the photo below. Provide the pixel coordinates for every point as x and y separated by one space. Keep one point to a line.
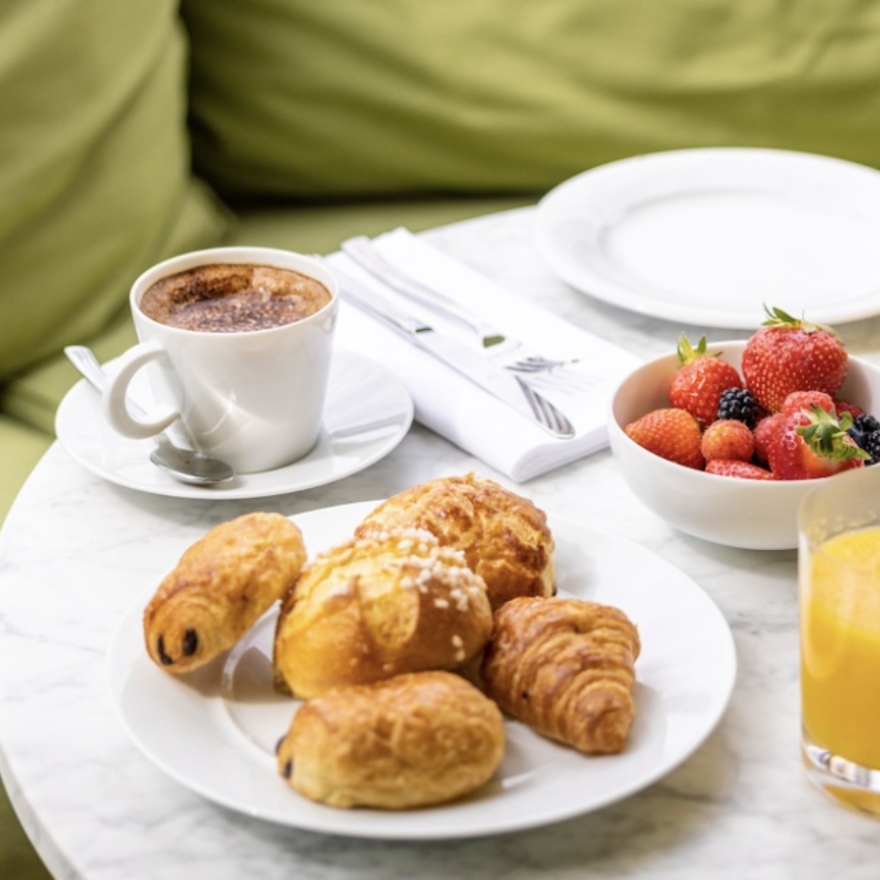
564 667
379 606
408 741
504 537
220 587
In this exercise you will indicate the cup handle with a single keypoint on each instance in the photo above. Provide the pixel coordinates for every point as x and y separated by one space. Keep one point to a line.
115 408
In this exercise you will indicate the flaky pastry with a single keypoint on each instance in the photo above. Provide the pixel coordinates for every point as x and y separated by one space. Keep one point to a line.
220 587
504 537
377 606
565 667
408 741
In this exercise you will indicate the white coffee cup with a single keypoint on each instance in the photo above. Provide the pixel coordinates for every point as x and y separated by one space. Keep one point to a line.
252 398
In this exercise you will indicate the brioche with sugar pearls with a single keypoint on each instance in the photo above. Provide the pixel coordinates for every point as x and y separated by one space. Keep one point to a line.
504 537
377 606
407 741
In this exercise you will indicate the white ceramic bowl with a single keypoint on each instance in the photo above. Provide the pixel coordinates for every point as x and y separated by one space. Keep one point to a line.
752 514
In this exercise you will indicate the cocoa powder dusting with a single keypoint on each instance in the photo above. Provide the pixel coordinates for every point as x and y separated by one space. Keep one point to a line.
232 298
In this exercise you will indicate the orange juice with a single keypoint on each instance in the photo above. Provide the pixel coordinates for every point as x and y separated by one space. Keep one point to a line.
840 646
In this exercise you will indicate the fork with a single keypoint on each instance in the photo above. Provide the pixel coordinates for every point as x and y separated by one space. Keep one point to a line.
511 353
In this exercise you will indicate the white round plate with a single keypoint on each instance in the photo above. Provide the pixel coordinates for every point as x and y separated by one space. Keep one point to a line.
367 413
215 730
709 236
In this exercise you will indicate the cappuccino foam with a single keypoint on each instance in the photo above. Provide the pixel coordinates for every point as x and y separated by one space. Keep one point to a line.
233 298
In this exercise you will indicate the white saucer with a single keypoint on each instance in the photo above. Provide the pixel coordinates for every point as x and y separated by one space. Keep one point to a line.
708 237
368 412
215 730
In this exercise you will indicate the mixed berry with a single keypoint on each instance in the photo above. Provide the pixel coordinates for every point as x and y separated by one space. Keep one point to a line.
739 404
781 419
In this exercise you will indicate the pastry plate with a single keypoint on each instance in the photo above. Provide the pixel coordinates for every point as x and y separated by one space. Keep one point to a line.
367 413
215 730
707 236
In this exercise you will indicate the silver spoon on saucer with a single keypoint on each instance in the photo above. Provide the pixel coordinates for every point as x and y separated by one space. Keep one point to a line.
185 465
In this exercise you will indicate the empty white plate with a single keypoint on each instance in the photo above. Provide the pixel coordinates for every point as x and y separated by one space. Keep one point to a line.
709 236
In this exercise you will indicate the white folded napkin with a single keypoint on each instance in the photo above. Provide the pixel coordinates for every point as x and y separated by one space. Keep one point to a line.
459 410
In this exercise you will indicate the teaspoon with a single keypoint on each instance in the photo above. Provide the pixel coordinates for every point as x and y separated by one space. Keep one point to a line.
185 465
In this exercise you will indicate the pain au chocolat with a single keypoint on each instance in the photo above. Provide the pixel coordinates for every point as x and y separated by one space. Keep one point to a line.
220 587
504 537
407 741
379 605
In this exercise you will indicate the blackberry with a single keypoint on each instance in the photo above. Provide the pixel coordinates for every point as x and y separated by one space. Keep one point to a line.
866 423
739 404
862 427
871 445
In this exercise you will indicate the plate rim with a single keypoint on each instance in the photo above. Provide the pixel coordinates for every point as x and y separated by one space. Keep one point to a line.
172 488
381 825
615 294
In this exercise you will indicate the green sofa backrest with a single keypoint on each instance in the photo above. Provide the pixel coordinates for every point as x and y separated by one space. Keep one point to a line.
311 99
95 180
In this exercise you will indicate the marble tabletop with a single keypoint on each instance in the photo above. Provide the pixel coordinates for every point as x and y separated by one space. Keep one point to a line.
76 550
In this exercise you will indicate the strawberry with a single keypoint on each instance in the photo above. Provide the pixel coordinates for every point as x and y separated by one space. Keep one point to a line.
727 439
700 379
804 400
812 445
767 431
788 355
842 406
673 434
744 470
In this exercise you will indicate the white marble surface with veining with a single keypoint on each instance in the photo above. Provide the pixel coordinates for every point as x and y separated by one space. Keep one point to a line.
76 550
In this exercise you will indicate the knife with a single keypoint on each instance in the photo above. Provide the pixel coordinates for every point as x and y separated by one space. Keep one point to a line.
504 349
363 252
501 383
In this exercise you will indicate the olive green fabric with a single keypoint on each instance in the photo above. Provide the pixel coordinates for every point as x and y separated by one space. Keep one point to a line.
95 180
321 229
34 394
32 397
18 859
21 447
298 98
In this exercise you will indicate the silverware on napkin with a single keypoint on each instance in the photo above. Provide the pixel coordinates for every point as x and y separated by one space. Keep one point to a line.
511 353
502 384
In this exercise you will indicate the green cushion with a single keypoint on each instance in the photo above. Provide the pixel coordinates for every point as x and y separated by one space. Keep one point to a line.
297 98
33 395
21 447
95 178
320 229
18 859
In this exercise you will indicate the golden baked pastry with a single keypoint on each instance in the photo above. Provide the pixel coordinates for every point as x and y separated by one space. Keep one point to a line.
408 741
378 606
565 668
504 537
220 587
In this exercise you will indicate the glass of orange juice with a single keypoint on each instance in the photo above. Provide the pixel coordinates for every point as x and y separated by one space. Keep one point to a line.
839 588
